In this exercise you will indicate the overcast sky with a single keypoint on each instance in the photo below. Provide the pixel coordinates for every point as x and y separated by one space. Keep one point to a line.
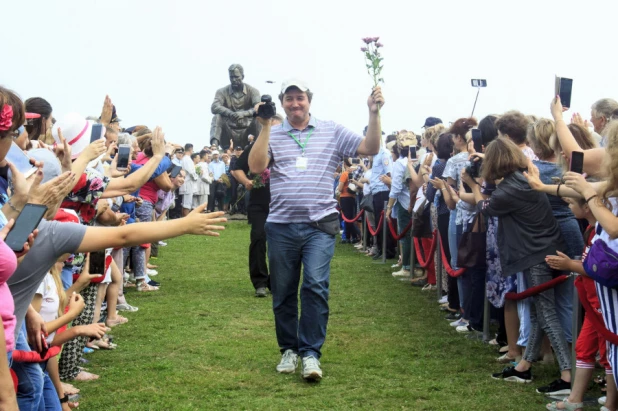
162 61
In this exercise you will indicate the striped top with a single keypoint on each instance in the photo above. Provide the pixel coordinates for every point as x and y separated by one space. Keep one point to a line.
304 196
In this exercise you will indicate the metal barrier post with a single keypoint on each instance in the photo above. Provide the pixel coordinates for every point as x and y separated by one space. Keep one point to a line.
364 233
439 267
384 233
575 327
486 337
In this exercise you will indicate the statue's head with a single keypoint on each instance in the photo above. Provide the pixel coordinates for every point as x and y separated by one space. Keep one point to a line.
237 74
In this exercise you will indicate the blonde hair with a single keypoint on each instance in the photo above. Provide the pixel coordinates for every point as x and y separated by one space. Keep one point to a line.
432 133
62 297
611 161
539 136
585 140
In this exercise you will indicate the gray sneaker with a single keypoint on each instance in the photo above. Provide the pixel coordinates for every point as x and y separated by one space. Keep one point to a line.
261 292
311 369
289 361
126 307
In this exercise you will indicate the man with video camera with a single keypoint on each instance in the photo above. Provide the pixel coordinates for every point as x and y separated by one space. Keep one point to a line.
303 154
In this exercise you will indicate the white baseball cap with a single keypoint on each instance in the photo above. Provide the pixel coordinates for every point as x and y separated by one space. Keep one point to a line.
301 85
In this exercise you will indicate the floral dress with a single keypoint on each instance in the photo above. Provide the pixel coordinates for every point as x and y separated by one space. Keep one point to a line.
497 286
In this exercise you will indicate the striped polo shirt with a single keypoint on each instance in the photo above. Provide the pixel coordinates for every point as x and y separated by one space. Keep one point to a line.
299 196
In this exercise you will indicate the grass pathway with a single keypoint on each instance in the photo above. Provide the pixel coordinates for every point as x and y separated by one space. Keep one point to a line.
204 342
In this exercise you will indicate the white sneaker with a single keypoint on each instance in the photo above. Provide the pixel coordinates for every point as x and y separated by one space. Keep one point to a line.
289 361
462 329
126 307
443 300
311 369
162 244
458 323
602 400
151 272
402 273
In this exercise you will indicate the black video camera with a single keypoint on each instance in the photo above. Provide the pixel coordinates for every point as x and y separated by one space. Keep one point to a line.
267 110
474 169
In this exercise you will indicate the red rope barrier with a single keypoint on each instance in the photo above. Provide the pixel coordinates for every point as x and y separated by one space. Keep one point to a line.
593 315
536 290
377 230
355 219
396 236
424 262
447 264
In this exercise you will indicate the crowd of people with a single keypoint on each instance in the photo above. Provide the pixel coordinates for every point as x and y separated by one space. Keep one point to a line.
504 216
507 217
103 216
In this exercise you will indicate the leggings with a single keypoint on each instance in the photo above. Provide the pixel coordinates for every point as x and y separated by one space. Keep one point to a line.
348 208
72 350
453 292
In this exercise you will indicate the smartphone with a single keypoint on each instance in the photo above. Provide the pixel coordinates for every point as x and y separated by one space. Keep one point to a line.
563 88
44 345
356 161
477 139
124 150
577 162
412 152
20 160
97 262
96 132
175 171
27 221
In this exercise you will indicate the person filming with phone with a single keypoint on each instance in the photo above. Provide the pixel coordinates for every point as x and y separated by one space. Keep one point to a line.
303 154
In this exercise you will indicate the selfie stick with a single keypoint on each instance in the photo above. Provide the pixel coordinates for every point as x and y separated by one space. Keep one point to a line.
478 83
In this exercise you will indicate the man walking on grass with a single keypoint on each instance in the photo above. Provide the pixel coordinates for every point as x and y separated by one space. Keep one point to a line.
303 154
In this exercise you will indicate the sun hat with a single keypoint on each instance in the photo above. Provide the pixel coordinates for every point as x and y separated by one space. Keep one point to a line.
77 132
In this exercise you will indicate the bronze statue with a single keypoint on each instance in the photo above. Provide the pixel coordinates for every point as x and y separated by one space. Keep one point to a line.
233 110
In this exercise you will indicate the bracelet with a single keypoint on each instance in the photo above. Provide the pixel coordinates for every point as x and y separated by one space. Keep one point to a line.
64 399
13 207
591 197
558 190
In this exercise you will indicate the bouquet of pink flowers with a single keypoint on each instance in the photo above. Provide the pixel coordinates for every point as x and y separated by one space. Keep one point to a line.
373 60
260 180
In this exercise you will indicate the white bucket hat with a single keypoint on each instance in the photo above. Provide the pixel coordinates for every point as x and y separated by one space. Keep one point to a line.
77 132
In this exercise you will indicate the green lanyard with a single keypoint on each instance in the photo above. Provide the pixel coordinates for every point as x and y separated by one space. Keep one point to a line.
302 145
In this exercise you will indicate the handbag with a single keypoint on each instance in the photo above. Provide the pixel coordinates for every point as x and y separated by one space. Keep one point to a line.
421 227
601 264
472 246
220 189
367 203
352 188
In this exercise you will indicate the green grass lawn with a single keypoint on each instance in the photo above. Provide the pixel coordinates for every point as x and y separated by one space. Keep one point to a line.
205 342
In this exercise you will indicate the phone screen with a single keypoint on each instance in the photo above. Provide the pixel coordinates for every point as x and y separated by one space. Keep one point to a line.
413 152
96 133
175 171
566 86
27 221
124 150
577 162
20 160
356 161
97 262
477 139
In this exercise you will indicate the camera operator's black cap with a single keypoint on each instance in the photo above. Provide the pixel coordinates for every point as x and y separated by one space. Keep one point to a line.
432 121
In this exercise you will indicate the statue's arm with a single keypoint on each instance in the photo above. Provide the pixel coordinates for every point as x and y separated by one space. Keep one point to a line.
218 106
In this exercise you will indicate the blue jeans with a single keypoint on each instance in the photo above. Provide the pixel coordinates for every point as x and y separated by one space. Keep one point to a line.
30 377
523 310
289 246
51 401
403 218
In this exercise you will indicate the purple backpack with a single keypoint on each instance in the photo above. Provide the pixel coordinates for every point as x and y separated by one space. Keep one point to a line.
601 264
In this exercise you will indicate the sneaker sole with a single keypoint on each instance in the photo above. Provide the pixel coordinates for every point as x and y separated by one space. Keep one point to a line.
286 371
314 376
560 392
513 379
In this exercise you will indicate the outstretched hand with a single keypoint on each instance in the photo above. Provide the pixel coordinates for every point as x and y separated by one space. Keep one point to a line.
204 224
